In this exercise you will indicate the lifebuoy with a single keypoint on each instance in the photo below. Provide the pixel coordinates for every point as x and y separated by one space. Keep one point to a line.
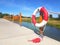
45 17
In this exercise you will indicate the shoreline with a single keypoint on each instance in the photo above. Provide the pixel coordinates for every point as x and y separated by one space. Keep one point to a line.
55 22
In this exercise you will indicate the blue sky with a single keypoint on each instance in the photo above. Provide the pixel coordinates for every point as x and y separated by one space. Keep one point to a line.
27 7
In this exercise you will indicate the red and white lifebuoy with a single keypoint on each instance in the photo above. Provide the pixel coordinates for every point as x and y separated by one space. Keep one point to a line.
45 17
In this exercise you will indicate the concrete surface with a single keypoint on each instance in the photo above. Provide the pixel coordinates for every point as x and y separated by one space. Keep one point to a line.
14 34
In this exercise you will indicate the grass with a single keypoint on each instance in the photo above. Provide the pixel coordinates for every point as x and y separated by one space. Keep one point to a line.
54 22
26 19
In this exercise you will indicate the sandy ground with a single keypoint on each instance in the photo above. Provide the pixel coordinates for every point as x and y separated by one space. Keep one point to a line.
14 34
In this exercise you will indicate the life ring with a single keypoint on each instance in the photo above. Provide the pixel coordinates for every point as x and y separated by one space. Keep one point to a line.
45 17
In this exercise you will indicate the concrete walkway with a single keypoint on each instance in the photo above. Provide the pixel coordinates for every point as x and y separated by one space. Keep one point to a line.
14 34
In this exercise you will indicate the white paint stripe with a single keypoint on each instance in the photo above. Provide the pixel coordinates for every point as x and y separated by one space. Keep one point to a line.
37 10
41 24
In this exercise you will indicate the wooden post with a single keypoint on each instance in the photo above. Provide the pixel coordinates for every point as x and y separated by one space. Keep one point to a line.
40 19
13 19
20 19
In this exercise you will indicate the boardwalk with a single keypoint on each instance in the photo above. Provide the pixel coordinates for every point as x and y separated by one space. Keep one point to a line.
14 34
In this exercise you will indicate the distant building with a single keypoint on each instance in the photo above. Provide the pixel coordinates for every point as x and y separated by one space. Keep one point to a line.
50 16
59 16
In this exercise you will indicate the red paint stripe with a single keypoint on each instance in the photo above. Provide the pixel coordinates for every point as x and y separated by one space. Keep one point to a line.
35 40
34 19
45 13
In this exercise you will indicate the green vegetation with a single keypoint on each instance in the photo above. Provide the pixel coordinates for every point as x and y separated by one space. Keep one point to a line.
2 15
52 21
26 19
